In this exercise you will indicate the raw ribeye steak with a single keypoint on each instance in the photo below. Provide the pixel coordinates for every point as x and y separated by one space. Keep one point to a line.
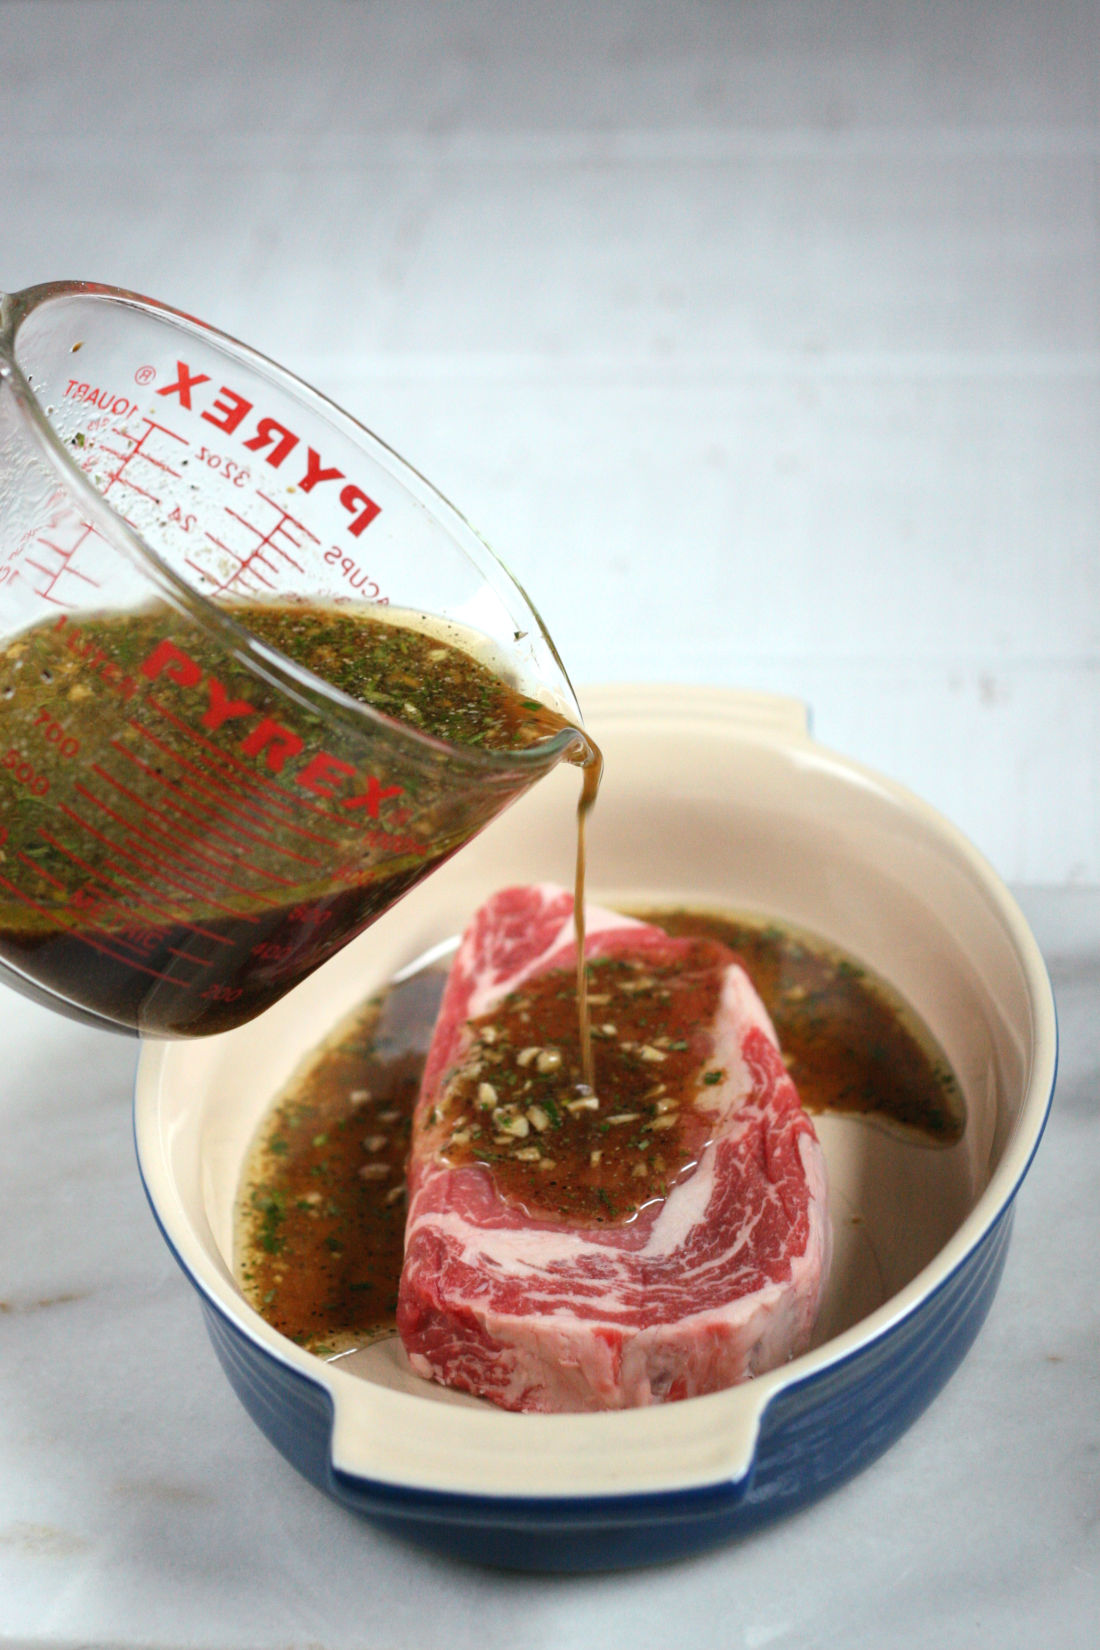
576 1250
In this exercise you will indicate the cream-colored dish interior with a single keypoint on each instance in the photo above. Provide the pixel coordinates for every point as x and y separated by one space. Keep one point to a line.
711 799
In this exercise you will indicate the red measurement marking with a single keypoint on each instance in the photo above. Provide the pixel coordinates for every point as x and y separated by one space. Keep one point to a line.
203 778
266 554
248 779
180 845
57 564
184 803
187 880
130 948
190 884
136 454
181 848
161 915
235 834
223 806
222 810
256 790
125 881
45 875
83 937
210 832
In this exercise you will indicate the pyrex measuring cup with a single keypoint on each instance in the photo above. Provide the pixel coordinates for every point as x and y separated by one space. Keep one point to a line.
190 822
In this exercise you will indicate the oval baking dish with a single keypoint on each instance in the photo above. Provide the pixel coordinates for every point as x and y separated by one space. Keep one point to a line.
713 799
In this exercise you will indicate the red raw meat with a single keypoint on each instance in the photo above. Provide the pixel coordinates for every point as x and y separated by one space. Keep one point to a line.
719 1281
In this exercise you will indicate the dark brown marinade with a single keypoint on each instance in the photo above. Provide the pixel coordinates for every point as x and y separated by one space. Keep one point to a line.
329 1279
848 1041
321 1210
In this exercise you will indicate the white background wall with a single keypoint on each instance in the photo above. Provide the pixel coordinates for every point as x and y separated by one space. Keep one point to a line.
761 340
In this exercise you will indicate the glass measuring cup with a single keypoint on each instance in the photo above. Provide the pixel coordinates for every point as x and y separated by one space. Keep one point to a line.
190 820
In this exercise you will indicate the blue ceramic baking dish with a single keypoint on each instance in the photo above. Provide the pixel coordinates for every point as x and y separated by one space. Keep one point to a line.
711 799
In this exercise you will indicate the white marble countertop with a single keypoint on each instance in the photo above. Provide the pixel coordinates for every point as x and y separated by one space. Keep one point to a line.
140 1506
773 332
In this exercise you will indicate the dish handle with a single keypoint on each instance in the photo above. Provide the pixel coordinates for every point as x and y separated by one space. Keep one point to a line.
707 1447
